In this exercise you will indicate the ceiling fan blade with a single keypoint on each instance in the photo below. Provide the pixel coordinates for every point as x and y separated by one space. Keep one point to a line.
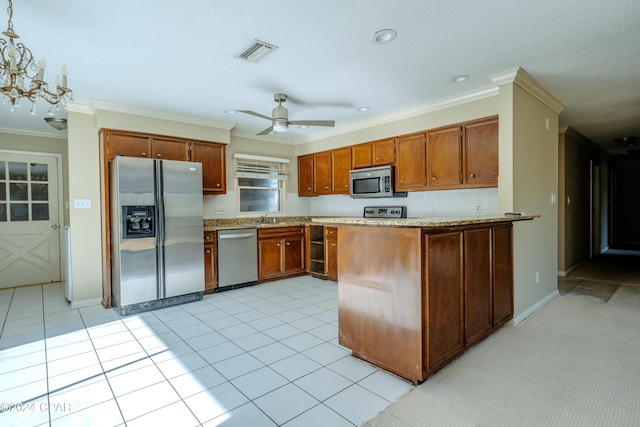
266 131
253 113
329 123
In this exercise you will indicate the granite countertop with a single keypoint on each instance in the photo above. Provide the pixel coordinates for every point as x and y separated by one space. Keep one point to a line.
424 222
237 223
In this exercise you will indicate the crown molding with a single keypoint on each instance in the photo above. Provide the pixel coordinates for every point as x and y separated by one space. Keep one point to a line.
405 114
98 104
41 134
527 82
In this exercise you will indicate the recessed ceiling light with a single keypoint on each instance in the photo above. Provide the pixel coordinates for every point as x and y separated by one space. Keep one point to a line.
627 141
461 78
303 127
231 111
363 109
384 36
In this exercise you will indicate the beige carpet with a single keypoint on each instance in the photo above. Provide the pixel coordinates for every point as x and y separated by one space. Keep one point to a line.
575 362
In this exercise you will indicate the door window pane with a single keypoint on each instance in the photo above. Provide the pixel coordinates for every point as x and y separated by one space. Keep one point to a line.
3 171
19 212
3 191
3 212
19 191
39 172
40 212
17 171
39 192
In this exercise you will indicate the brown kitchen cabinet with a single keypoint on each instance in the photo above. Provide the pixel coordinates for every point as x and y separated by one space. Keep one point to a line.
444 158
314 238
411 168
413 299
169 149
322 173
478 319
210 261
480 153
125 144
443 298
213 158
305 176
280 252
340 167
376 153
502 280
331 253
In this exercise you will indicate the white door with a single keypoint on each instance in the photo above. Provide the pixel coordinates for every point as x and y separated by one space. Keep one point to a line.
29 219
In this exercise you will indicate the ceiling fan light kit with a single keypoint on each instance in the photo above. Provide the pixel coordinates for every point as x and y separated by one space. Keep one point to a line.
280 118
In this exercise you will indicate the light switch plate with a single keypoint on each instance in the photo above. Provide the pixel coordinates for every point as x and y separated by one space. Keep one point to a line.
82 203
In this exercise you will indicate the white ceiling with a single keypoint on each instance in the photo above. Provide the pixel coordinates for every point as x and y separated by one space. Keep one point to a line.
179 57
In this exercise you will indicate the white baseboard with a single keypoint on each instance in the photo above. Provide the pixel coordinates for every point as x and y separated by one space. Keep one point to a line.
86 303
570 269
535 307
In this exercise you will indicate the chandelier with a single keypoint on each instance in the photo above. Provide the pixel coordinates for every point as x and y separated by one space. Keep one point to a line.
21 77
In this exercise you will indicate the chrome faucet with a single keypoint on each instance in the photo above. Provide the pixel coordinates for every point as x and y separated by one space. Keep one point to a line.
264 218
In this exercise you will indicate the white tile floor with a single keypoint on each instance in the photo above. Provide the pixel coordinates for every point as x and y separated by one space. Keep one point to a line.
265 355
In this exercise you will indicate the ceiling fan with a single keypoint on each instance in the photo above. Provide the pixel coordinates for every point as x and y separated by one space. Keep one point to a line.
280 120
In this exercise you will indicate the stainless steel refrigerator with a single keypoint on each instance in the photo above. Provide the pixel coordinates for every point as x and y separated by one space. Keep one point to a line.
156 233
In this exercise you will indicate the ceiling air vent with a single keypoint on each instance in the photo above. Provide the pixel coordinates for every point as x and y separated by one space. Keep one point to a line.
256 51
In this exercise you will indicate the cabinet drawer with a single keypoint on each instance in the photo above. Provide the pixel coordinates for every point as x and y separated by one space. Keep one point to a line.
209 236
271 232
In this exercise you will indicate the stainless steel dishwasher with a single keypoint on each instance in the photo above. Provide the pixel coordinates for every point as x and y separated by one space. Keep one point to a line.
237 257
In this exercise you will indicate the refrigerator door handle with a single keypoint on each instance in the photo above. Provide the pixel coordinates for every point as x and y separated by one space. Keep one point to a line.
162 288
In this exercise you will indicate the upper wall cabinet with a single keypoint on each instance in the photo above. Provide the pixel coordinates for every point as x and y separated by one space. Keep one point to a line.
460 156
375 153
213 159
305 175
444 158
132 144
481 153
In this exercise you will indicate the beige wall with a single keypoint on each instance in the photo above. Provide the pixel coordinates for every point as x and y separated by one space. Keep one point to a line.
528 163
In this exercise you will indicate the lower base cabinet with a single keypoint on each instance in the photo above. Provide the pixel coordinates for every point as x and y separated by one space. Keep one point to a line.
280 252
411 300
210 261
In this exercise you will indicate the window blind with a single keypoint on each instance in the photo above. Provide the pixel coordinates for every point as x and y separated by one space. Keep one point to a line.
248 166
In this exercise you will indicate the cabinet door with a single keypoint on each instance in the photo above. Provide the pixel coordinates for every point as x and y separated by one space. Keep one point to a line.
269 258
331 253
410 163
478 321
122 144
210 274
293 254
443 298
322 172
361 156
481 153
384 152
305 176
169 149
502 274
340 167
444 158
213 158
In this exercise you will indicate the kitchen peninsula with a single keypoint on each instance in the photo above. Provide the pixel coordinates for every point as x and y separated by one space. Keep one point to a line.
415 293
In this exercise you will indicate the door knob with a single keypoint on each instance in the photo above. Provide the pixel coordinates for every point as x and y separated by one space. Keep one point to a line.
54 226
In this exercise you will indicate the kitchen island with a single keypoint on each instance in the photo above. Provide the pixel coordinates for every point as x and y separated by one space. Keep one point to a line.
415 293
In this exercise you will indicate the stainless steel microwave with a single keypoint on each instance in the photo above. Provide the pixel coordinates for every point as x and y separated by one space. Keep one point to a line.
373 183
